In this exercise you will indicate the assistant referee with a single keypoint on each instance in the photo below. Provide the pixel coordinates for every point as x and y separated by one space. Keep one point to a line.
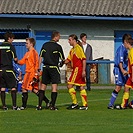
7 75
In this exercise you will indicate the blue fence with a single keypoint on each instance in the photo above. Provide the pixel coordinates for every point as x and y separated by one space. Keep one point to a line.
100 62
102 74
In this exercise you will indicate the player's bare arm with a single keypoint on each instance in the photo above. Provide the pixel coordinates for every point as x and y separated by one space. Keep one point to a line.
84 69
39 65
132 73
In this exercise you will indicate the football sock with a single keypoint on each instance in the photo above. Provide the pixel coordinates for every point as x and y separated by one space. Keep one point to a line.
131 102
45 98
3 97
72 93
24 99
6 89
36 93
19 86
41 97
83 95
53 98
14 97
113 98
125 99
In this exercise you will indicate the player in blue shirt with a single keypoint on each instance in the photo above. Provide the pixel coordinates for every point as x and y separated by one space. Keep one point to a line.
18 73
120 69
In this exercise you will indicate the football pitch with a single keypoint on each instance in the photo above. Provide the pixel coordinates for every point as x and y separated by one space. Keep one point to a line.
97 119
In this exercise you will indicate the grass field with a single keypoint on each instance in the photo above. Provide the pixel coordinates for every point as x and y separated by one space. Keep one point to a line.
97 119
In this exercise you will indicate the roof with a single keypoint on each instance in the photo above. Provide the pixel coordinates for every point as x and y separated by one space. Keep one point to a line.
68 7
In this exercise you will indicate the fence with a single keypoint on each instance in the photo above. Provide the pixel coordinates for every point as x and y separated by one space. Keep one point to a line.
99 72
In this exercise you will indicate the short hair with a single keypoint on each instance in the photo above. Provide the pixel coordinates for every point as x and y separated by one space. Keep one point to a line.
31 40
126 37
130 40
8 35
54 34
82 35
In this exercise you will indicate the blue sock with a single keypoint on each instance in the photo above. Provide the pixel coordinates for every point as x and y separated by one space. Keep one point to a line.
132 102
113 98
19 86
6 90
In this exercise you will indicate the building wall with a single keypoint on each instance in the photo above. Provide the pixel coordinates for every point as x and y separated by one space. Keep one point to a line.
100 33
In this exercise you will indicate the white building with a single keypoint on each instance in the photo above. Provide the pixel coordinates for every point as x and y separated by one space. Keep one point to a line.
104 21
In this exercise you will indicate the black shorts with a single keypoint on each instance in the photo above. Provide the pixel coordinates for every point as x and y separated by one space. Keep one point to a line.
7 79
51 74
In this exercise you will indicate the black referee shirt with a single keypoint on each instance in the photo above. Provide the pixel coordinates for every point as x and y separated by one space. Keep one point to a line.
7 54
51 52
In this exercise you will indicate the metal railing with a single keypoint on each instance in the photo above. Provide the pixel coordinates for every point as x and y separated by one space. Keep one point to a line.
99 62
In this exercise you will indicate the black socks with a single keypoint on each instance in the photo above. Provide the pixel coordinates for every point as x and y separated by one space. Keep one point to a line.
24 99
14 97
53 98
41 97
3 97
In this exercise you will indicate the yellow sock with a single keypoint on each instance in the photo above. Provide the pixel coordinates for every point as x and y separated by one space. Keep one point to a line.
72 93
83 95
125 99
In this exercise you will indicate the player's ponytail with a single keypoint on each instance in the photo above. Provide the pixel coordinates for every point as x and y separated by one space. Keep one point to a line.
79 43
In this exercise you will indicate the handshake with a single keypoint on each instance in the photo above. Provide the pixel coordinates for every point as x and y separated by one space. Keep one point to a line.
61 63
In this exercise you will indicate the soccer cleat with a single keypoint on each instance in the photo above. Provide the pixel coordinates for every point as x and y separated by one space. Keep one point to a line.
47 105
83 108
110 107
38 107
15 108
130 105
73 106
53 108
119 107
22 108
5 108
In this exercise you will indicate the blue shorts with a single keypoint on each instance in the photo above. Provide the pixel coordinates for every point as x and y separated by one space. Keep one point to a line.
120 79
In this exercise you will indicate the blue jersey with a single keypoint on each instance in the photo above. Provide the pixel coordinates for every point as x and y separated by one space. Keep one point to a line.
16 68
121 56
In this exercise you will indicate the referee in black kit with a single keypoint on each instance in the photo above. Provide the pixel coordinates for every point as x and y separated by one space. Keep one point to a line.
51 52
7 75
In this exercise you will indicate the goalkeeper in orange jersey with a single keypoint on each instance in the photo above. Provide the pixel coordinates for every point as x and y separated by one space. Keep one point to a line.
77 59
30 81
129 83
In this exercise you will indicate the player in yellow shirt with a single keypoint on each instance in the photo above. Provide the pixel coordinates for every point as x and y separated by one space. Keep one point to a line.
77 59
129 83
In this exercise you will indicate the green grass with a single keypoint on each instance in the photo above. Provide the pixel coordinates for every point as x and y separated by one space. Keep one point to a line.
97 119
